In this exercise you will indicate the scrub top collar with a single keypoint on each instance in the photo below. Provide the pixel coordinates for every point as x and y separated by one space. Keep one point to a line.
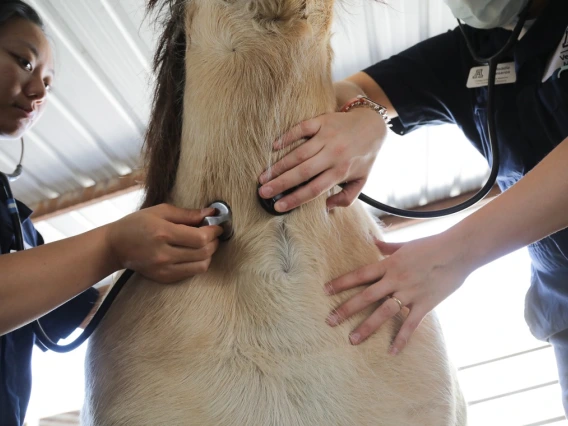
543 37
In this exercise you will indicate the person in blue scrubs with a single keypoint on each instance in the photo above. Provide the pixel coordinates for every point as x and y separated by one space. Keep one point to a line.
427 85
53 281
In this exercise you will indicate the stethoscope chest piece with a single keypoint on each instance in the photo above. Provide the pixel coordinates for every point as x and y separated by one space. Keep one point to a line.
268 203
223 218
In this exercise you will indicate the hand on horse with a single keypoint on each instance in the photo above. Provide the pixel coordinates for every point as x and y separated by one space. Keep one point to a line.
414 279
164 243
342 147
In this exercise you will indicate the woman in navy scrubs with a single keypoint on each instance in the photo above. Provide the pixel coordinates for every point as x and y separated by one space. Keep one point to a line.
425 85
53 281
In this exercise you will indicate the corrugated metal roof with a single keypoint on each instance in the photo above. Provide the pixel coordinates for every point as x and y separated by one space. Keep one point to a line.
93 129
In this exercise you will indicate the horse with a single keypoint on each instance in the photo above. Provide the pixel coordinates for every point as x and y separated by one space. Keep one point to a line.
246 342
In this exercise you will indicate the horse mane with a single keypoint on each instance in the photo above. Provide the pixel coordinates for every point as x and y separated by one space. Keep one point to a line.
162 142
163 137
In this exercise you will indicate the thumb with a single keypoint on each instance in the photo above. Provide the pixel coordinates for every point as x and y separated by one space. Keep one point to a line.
347 195
387 248
177 215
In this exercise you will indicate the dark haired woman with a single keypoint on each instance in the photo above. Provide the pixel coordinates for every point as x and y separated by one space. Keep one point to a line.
53 281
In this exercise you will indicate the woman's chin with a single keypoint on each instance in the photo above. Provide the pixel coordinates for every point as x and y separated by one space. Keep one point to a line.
13 130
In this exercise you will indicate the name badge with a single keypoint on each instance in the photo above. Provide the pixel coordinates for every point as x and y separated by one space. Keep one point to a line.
479 76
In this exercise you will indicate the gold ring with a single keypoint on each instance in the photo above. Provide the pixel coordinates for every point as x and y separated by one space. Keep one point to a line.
400 305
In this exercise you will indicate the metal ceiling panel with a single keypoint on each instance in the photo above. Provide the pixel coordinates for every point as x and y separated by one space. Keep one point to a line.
93 128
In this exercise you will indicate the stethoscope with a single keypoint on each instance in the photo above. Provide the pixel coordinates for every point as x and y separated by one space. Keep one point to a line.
223 216
493 61
43 338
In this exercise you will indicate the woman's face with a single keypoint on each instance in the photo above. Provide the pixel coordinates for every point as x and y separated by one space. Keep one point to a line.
26 73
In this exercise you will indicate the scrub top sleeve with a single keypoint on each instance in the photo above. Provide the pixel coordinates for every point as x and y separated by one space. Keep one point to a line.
33 233
61 322
426 83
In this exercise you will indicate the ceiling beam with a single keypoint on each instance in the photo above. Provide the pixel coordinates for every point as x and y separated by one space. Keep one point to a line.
74 200
114 187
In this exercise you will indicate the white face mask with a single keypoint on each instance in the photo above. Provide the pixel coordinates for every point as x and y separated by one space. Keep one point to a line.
487 13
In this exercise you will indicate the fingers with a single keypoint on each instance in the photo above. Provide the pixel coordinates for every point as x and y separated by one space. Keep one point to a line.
362 300
174 263
300 155
365 275
181 216
410 324
194 238
306 129
382 314
306 193
176 255
177 272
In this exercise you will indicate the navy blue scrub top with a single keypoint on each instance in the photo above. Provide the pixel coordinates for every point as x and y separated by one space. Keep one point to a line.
427 85
16 347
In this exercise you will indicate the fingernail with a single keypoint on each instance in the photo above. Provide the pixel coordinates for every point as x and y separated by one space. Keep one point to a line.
262 178
331 206
266 191
280 206
332 319
328 289
354 338
207 212
393 351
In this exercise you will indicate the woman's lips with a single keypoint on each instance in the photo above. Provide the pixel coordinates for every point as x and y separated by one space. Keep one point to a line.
25 113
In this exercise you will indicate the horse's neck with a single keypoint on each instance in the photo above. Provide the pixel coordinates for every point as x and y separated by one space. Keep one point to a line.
230 124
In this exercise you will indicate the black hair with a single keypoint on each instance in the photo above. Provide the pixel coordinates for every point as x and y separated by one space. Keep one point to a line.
162 142
18 9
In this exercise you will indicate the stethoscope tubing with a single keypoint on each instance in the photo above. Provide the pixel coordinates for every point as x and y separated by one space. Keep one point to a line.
493 62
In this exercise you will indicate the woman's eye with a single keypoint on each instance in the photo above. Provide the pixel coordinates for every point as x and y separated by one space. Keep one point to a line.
48 87
27 65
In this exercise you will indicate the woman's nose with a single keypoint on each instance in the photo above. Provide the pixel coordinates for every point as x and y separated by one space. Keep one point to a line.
35 89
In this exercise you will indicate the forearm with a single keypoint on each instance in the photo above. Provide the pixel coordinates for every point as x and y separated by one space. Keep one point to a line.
530 210
38 280
345 90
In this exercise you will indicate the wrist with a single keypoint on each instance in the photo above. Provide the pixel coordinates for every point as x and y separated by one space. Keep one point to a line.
362 101
458 248
110 256
345 91
472 245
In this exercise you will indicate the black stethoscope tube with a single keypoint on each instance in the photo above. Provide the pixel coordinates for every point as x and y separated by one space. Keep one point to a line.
97 318
492 134
13 211
36 325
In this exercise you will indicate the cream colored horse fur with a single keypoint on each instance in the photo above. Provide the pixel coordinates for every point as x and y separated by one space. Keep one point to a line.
246 343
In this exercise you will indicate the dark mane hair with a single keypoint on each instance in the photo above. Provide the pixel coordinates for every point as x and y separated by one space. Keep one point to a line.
18 9
162 144
163 136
